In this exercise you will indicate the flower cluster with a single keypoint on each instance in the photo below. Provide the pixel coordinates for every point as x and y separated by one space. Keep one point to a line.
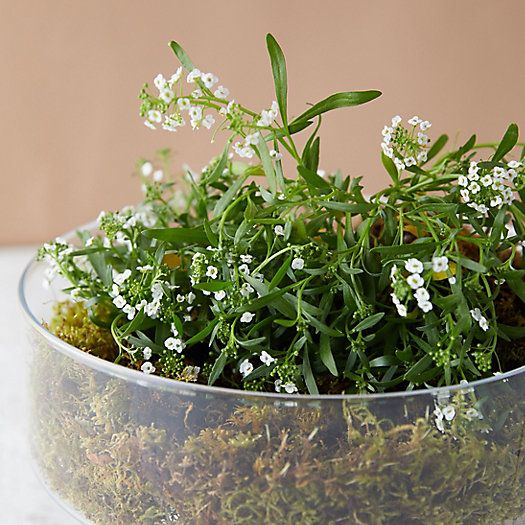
484 188
406 146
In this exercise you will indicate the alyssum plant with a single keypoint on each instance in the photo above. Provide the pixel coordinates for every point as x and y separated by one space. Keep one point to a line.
302 283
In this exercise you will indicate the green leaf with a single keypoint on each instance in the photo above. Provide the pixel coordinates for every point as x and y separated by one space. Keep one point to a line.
218 367
384 360
280 80
471 265
312 179
508 141
414 374
280 273
369 322
219 167
356 208
325 353
404 249
179 236
205 332
321 327
390 167
213 286
267 166
182 55
338 100
308 374
210 234
437 147
228 196
310 156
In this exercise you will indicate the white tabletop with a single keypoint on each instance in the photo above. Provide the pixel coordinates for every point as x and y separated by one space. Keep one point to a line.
23 501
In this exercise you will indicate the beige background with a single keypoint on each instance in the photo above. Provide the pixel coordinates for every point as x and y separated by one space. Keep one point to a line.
69 129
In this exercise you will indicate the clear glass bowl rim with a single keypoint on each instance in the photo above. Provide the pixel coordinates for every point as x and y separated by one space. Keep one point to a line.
166 384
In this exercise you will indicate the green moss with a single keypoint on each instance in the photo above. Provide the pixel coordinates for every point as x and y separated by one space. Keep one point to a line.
125 454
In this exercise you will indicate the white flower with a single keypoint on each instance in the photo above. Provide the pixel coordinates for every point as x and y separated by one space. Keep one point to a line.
221 92
147 169
158 175
440 425
278 385
220 295
462 180
279 230
387 131
245 368
167 95
496 201
396 120
147 368
195 113
121 278
154 115
452 280
252 139
130 311
395 299
483 324
486 181
268 116
389 152
160 82
413 266
172 122
476 314
193 75
474 187
426 306
465 194
449 412
410 161
421 295
212 272
275 154
425 125
184 104
209 79
197 93
400 165
175 77
180 298
415 281
401 310
246 259
393 272
174 343
243 151
422 139
247 317
422 156
514 164
290 388
115 290
243 268
266 358
298 263
472 413
473 169
414 121
208 121
119 301
146 352
439 264
246 290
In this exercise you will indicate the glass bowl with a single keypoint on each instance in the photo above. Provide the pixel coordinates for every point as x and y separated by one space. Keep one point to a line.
116 446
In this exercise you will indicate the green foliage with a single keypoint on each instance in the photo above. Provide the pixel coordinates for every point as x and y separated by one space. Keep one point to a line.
302 284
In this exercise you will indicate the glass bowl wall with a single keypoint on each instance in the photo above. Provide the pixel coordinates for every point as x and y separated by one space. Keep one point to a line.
119 447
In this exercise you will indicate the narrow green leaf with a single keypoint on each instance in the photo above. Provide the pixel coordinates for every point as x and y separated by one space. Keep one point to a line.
338 100
213 286
312 179
368 322
179 236
280 273
205 332
414 374
218 367
280 79
508 141
214 241
471 265
267 164
390 167
308 374
228 196
219 167
325 353
437 147
356 208
184 59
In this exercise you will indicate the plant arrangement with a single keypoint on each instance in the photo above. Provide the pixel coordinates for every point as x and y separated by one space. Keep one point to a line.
250 278
245 277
